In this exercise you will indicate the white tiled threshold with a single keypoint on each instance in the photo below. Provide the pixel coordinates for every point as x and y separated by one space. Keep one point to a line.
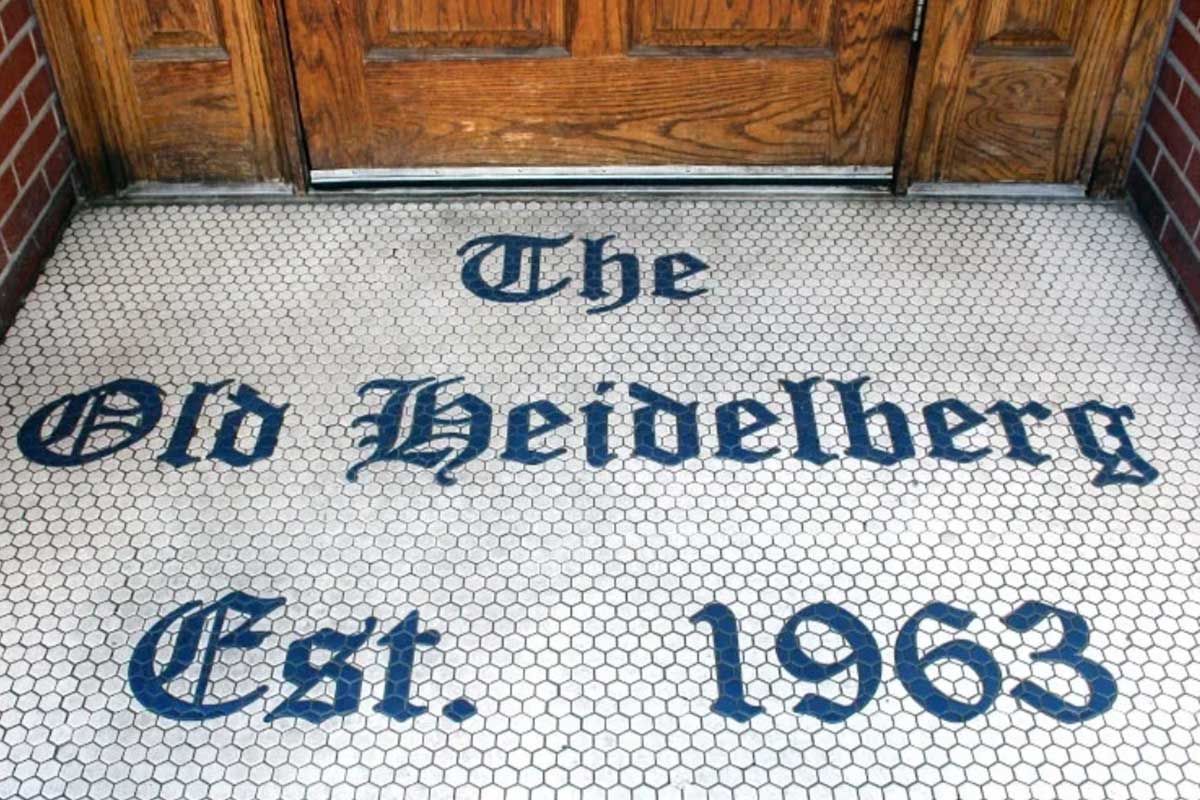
809 498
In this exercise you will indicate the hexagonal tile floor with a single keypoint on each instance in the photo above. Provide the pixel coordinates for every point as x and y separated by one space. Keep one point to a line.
730 498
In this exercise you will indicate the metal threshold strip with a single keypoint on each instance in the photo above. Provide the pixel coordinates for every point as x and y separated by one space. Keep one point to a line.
623 176
1000 191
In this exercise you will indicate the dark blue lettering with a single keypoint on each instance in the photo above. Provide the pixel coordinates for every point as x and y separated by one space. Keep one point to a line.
1140 472
593 275
1102 687
597 414
347 679
85 415
250 404
865 658
666 279
727 656
943 433
1019 447
427 415
176 453
808 437
149 684
514 248
731 432
402 643
645 421
857 417
520 432
911 666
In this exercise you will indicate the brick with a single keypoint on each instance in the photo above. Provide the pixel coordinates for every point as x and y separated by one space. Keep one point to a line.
1144 197
1147 153
1192 172
1175 191
39 44
16 282
48 230
9 189
16 66
25 213
39 90
1185 48
1178 247
12 128
13 18
1189 107
1181 255
1190 9
31 154
1174 138
61 159
1170 82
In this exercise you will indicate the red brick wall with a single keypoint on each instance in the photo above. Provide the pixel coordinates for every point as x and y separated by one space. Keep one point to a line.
37 188
1165 180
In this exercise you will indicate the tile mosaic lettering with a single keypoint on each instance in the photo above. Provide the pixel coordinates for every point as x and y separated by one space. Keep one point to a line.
601 498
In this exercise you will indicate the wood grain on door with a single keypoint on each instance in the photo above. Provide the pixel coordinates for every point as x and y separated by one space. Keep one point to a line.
1015 90
177 90
432 83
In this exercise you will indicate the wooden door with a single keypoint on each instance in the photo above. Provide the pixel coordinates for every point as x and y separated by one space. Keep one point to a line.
433 83
1016 90
173 90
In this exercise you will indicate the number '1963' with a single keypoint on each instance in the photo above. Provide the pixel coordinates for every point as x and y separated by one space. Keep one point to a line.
912 666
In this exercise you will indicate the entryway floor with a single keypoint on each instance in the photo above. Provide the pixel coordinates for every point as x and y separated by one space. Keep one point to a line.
832 498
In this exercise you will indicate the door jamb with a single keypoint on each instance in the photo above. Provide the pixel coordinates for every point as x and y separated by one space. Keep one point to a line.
281 71
1139 75
1126 101
97 145
101 168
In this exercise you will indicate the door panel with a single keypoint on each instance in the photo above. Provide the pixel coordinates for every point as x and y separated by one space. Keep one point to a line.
182 85
1015 90
422 25
157 26
431 83
1041 24
762 113
737 23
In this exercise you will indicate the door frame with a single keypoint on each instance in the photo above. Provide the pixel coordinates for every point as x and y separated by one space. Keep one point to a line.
96 136
1111 151
97 132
